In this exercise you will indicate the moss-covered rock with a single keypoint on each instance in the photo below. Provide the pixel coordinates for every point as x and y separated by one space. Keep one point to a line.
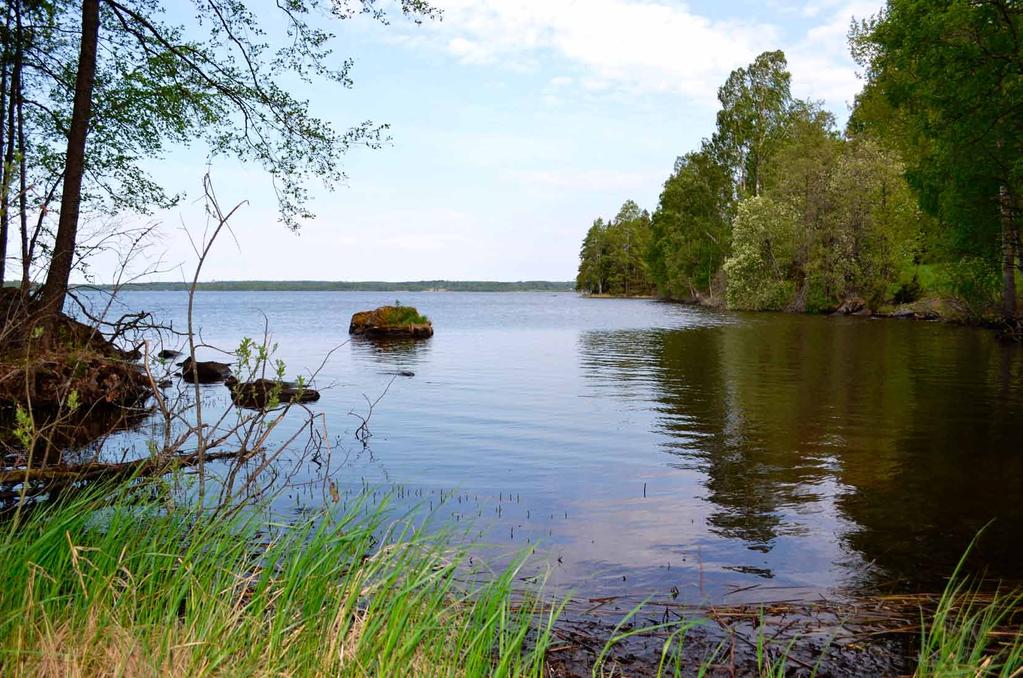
391 321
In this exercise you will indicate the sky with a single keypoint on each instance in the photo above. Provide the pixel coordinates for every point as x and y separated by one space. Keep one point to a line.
513 124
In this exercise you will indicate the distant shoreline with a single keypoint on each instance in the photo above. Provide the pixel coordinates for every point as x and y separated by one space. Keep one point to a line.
344 286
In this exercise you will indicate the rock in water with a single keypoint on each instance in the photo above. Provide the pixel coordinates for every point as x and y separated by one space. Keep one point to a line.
258 394
391 321
204 372
853 305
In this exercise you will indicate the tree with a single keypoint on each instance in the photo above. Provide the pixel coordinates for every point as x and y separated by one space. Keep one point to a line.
799 176
794 215
755 103
591 260
691 226
91 87
877 220
612 259
949 74
858 225
690 229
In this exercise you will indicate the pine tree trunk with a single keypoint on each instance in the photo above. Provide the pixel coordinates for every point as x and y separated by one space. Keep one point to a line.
18 103
1008 255
59 273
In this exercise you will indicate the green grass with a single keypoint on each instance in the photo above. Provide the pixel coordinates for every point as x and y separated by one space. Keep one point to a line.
934 278
397 316
971 633
130 589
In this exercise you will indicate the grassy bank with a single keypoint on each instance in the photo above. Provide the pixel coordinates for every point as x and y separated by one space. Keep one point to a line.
108 584
132 589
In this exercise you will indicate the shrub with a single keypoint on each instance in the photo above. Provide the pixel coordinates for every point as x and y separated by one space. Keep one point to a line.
763 250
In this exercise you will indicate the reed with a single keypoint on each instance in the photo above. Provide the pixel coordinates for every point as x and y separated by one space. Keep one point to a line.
971 633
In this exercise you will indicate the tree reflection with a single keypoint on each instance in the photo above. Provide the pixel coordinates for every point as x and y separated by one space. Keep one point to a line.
907 434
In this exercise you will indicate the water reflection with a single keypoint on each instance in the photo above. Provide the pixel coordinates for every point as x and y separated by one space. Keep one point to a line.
903 440
392 352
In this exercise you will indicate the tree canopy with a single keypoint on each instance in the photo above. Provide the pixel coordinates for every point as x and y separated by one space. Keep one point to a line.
612 259
91 88
944 85
779 210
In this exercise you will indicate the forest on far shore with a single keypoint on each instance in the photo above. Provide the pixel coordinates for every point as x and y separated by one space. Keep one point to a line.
355 286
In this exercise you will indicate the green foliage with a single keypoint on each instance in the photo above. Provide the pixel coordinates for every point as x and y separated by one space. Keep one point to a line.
764 245
944 88
755 104
203 73
970 634
908 292
878 212
219 82
24 427
612 259
690 229
74 400
860 226
839 218
974 282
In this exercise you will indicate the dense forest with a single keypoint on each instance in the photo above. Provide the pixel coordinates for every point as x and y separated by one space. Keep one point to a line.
781 210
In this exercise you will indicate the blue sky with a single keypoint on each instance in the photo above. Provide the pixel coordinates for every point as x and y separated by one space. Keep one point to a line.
515 123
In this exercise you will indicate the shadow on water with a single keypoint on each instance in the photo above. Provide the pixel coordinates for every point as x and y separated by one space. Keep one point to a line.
903 439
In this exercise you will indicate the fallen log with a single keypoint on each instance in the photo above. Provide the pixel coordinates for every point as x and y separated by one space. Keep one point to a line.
72 473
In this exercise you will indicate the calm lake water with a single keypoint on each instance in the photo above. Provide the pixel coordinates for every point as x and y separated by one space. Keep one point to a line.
647 446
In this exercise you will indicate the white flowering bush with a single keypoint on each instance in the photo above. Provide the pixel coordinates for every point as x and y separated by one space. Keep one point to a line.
764 243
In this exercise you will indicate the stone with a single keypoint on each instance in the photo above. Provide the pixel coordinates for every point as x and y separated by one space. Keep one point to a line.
391 322
257 394
204 372
853 306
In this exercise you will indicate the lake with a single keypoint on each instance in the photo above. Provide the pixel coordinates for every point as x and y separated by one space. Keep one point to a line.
648 447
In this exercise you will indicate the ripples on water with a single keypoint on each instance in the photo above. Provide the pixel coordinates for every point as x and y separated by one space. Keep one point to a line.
647 446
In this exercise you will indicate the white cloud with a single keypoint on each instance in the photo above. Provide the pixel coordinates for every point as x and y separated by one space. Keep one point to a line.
642 46
820 62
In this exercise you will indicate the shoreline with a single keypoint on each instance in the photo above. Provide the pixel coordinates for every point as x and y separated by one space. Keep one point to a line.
927 309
